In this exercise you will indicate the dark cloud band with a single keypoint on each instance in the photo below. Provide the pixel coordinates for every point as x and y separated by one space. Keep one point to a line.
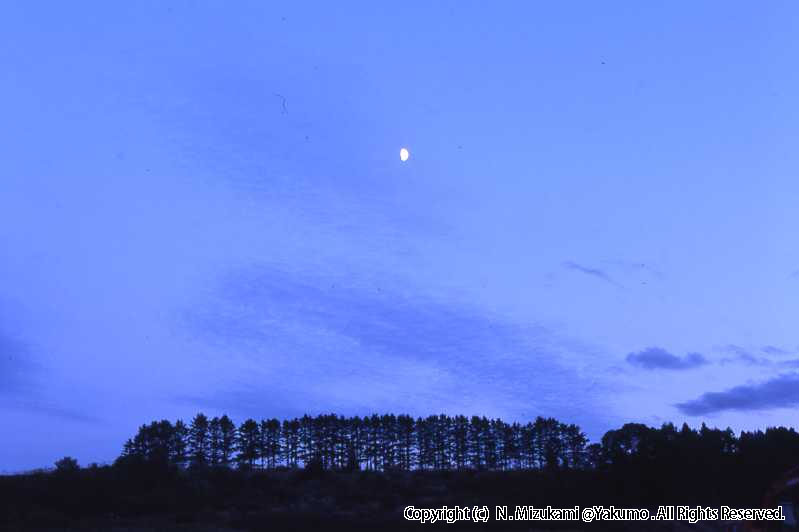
780 392
659 358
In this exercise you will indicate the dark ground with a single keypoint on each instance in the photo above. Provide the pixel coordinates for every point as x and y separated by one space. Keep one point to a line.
170 499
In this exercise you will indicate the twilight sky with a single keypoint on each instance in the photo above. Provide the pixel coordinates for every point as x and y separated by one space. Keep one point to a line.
202 207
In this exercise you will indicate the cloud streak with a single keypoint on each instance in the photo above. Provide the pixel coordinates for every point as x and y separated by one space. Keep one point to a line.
773 350
742 355
21 383
779 392
592 272
365 346
658 358
15 366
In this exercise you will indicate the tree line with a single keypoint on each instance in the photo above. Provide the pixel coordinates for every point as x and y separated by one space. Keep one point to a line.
440 442
377 442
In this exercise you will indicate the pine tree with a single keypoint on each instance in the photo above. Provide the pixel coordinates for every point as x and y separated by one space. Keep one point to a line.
227 430
178 448
198 441
460 437
247 444
270 442
214 442
425 442
307 447
290 438
406 442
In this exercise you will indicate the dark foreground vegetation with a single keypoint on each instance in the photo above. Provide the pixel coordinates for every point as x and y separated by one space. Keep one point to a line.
334 473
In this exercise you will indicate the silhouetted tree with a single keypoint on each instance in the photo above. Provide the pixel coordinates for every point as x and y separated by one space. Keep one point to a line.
406 454
247 444
269 443
460 442
199 441
67 464
178 447
290 442
227 442
214 442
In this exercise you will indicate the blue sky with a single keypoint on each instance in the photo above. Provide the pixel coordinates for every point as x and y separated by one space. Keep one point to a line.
202 206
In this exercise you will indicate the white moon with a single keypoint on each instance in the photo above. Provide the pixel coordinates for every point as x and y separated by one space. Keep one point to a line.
404 154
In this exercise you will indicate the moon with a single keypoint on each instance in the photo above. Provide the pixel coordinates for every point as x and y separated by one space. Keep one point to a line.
404 154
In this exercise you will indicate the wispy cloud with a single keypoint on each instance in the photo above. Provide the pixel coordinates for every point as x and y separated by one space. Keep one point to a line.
361 346
593 272
48 408
639 269
754 357
16 367
659 358
779 392
741 355
21 380
773 350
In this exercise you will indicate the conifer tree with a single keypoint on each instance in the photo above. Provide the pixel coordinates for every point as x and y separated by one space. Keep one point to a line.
248 436
198 441
227 442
